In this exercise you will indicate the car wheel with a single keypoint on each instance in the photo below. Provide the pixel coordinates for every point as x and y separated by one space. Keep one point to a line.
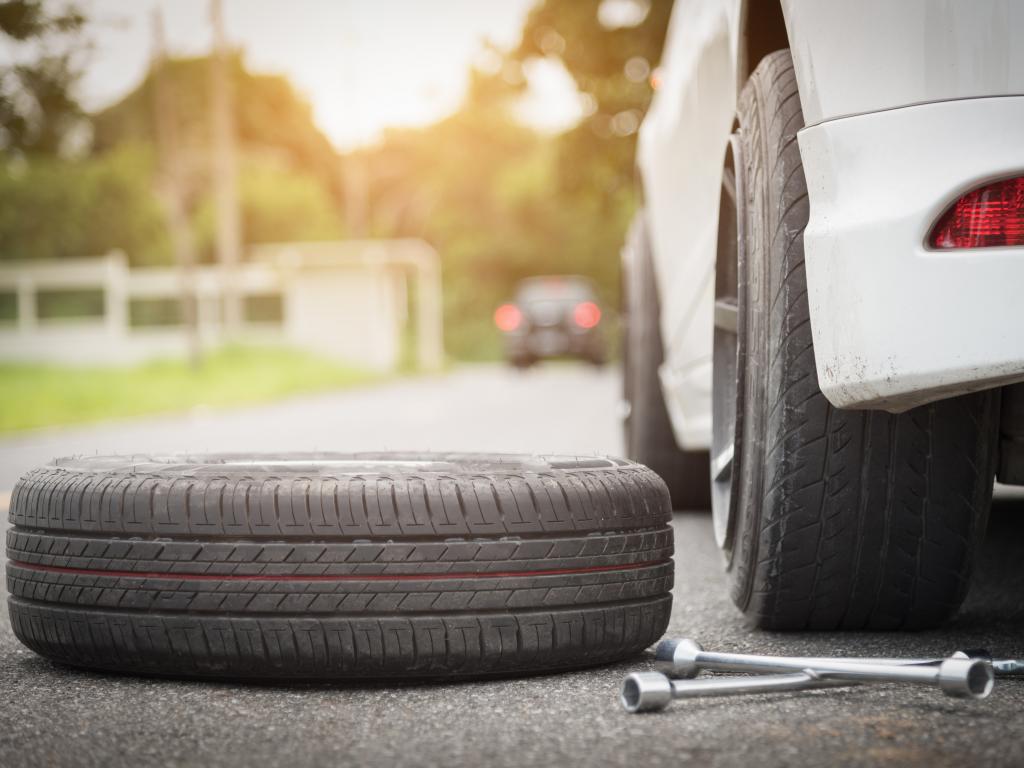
522 362
828 518
647 429
326 566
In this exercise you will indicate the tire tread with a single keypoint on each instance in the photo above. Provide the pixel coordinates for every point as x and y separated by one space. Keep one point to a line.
856 520
190 570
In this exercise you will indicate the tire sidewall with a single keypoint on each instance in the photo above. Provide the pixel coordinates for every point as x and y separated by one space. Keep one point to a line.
844 518
759 258
647 428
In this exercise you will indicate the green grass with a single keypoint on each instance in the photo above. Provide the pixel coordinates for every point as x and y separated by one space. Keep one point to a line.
43 395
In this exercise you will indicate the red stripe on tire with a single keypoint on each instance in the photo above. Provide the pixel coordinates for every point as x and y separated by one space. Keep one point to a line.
330 577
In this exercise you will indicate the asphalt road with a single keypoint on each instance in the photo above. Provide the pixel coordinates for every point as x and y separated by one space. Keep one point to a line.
53 715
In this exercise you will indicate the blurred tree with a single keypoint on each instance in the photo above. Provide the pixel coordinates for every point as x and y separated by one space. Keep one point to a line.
38 110
290 181
501 202
485 190
597 47
271 118
54 208
278 204
468 185
610 47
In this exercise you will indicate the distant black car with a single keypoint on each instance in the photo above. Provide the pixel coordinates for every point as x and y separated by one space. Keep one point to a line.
552 316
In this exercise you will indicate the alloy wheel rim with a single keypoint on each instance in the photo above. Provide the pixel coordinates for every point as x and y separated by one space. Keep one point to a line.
727 354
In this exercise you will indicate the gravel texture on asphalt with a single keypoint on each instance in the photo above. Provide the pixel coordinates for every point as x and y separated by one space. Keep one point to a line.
53 715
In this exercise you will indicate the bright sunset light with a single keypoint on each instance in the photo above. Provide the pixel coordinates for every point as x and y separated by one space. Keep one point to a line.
460 383
364 66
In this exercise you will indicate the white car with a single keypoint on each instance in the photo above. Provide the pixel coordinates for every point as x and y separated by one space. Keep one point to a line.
825 293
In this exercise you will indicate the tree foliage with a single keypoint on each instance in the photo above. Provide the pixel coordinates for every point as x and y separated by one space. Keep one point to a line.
611 67
289 182
55 208
38 110
271 119
484 190
501 202
498 200
279 204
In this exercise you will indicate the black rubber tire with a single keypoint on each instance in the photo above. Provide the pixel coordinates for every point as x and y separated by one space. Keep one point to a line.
522 363
339 566
845 519
647 429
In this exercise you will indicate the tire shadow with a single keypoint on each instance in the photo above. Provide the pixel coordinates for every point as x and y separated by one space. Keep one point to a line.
996 598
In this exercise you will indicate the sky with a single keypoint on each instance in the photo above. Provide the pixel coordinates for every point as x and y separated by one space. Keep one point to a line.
364 65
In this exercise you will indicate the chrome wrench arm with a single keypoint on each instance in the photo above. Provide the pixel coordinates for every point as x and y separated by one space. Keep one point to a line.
959 677
685 658
650 691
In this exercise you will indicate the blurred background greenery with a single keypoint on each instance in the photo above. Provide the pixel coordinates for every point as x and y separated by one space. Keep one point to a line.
230 376
499 200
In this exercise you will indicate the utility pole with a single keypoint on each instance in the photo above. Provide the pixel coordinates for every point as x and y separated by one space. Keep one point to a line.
352 166
172 188
354 182
225 171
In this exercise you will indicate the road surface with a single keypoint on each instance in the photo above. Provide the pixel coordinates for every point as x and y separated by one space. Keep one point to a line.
53 715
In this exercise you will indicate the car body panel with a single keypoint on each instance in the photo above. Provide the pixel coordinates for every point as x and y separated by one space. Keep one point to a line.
680 150
895 323
850 59
548 327
871 55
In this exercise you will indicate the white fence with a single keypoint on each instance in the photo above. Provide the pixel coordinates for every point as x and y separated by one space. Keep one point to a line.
347 300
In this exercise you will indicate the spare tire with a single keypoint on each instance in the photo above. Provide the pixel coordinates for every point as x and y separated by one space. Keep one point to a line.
339 565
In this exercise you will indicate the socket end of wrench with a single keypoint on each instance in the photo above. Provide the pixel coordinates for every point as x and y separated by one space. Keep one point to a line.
646 692
678 658
966 678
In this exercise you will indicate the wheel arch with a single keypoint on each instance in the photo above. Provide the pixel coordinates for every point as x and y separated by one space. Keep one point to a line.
762 31
710 51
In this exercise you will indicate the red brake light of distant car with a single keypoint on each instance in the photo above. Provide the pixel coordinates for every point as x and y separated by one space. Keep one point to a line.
986 217
586 315
507 317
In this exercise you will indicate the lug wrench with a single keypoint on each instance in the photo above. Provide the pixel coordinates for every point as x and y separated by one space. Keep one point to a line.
685 658
650 691
958 677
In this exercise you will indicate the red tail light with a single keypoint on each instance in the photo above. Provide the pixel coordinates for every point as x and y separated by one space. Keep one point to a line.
586 315
507 317
990 216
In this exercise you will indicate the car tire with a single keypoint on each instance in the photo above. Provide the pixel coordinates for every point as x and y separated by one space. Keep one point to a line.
339 566
836 519
647 430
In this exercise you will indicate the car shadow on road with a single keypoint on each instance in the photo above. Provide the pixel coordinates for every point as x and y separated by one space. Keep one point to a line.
996 599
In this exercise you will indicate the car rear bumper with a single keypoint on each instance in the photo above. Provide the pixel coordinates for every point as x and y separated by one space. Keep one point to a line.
542 342
895 324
